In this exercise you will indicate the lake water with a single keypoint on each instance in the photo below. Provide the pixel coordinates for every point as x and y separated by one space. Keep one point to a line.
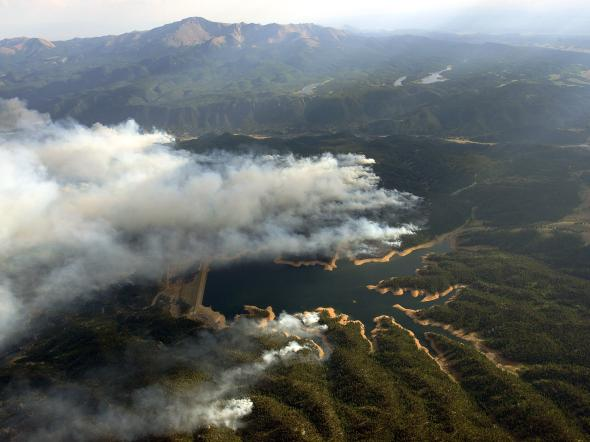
293 290
436 77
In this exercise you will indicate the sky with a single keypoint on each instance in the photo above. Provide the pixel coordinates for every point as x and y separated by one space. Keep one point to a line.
63 19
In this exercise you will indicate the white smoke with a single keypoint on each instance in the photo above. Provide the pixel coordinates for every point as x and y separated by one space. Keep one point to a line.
86 207
157 409
15 116
305 324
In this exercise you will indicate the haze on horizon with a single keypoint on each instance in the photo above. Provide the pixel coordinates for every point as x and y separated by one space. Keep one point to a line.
65 19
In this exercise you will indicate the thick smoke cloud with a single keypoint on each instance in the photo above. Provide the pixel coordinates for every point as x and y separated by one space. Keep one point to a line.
86 207
103 407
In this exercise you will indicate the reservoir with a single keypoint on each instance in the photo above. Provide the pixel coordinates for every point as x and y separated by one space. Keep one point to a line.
290 289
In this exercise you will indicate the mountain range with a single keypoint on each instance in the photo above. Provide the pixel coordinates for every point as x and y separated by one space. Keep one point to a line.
474 326
190 32
196 76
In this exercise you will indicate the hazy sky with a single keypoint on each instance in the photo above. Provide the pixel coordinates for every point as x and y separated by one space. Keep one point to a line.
59 19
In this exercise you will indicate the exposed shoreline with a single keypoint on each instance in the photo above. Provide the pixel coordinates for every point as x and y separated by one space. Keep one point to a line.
449 236
386 258
344 319
415 293
264 319
472 337
328 266
440 358
332 264
379 320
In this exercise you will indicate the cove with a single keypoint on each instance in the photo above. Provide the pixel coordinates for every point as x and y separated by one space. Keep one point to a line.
297 289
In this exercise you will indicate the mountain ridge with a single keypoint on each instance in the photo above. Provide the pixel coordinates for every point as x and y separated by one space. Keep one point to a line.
189 32
195 76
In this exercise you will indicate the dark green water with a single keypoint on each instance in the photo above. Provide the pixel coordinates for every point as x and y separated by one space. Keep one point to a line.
297 289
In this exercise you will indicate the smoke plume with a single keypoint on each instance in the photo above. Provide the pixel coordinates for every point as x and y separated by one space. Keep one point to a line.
86 207
102 406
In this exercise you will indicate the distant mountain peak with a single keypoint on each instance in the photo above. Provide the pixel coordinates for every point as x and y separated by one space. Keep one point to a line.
189 32
195 31
13 46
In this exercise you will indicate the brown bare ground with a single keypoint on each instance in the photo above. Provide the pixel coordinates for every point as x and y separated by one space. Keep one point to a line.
344 319
428 297
328 266
379 328
473 338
